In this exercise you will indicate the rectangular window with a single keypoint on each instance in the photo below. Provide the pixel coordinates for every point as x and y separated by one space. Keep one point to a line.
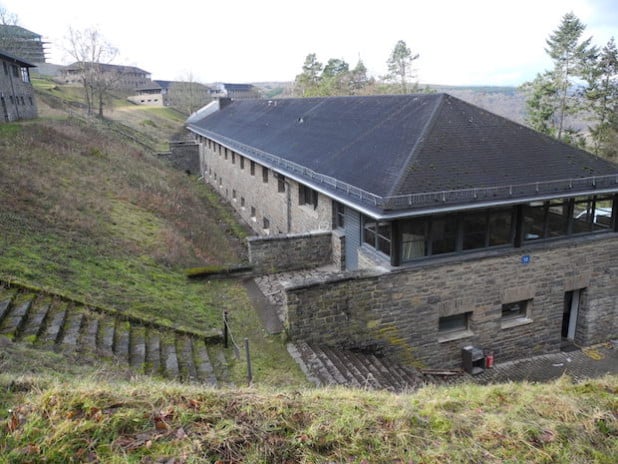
516 310
252 168
443 235
500 227
233 158
474 227
413 239
242 202
242 162
307 196
280 183
266 224
253 212
338 215
454 324
264 174
234 194
225 153
25 77
377 235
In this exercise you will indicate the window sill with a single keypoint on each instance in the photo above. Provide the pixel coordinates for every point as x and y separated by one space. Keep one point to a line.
515 322
449 337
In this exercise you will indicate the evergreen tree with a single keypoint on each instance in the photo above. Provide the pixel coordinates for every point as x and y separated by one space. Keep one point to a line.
307 83
400 65
552 95
602 95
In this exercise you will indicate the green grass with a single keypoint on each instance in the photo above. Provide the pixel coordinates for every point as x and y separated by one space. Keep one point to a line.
92 420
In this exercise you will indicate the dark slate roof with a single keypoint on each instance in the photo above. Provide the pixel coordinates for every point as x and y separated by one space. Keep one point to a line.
396 148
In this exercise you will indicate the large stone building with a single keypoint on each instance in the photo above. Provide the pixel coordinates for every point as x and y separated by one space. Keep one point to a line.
17 99
127 78
455 227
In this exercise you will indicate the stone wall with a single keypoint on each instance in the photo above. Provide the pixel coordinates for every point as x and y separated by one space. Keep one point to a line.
290 252
184 156
268 206
398 312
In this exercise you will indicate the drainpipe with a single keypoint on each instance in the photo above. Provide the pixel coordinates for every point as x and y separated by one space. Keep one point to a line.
289 205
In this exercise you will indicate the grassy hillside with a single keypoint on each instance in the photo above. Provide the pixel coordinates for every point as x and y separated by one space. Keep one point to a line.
93 419
89 212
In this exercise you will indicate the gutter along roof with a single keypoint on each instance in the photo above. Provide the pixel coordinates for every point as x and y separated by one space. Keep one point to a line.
398 155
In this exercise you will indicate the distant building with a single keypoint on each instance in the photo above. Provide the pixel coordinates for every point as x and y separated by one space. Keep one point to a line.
16 92
235 91
150 95
22 43
128 78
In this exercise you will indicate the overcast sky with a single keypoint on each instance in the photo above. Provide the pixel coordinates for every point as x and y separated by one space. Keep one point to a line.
474 42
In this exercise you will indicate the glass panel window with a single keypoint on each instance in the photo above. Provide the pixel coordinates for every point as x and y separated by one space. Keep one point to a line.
557 218
369 232
384 237
338 215
500 227
454 323
515 310
264 174
443 235
534 221
252 168
242 162
474 230
280 183
413 239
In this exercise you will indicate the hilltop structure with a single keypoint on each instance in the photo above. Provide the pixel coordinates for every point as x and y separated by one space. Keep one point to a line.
16 92
455 227
128 78
22 43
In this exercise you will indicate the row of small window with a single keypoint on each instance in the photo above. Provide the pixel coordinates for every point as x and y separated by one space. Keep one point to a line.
306 195
457 232
16 71
459 324
18 100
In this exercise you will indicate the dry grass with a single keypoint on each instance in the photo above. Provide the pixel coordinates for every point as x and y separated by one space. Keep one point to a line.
85 421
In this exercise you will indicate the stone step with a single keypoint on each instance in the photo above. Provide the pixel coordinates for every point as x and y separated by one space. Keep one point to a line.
314 365
36 317
16 315
54 322
153 352
205 371
137 358
71 329
122 333
169 359
7 295
87 342
105 337
357 364
186 364
341 366
388 379
399 380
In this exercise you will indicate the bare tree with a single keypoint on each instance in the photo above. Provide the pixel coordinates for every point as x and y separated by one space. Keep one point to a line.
92 55
187 95
7 18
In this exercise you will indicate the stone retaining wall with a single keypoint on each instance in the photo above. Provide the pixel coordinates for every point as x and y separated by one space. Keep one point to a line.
290 252
399 312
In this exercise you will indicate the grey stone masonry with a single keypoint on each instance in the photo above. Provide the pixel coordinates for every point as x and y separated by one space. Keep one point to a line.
425 314
268 202
184 156
290 252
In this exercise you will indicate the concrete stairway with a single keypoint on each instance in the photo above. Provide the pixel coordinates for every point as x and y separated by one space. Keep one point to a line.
52 322
331 366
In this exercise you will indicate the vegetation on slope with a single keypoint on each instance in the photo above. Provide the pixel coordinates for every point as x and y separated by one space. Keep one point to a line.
142 421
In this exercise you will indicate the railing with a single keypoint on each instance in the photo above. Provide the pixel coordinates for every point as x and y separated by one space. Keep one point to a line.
417 200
